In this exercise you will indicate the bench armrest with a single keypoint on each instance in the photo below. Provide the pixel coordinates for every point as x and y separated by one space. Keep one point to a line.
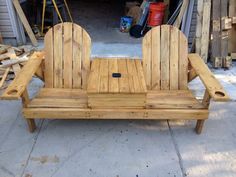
213 86
19 84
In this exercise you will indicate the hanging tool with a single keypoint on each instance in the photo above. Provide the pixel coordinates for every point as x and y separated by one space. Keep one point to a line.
57 10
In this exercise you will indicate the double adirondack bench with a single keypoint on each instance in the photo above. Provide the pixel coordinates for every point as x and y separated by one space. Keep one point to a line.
78 87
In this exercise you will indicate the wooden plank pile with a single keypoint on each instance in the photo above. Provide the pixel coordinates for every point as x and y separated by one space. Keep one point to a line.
223 19
215 31
11 61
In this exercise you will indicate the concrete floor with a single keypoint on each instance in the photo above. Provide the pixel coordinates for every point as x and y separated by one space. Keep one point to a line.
121 148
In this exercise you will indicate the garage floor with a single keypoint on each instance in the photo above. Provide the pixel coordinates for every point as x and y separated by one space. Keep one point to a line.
101 19
121 148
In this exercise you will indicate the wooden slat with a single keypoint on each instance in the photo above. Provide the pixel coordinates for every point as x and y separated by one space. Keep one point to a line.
199 26
141 76
61 93
58 56
67 55
113 82
93 81
77 56
104 76
134 80
57 103
118 100
155 56
183 61
19 84
174 58
172 99
86 50
205 29
25 22
165 54
70 113
124 80
147 63
49 57
212 85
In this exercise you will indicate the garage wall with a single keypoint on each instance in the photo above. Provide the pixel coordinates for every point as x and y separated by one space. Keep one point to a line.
10 25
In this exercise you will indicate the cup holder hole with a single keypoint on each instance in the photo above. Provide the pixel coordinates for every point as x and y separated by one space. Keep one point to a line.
219 94
12 92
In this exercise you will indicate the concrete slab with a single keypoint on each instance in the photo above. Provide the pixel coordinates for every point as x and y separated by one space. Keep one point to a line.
213 153
104 148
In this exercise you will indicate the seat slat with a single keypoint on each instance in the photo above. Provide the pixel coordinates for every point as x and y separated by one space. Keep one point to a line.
59 98
172 99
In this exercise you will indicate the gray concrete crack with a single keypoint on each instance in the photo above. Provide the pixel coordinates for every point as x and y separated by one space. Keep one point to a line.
183 171
35 141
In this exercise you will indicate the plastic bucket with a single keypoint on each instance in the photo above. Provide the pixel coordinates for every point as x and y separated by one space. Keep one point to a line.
125 23
156 13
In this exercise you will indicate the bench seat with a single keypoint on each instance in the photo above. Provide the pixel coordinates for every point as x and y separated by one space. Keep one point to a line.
73 104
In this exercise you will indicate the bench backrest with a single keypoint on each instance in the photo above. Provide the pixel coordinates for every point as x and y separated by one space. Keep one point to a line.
67 56
165 60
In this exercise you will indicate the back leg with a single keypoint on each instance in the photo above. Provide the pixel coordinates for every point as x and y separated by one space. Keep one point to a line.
199 126
31 125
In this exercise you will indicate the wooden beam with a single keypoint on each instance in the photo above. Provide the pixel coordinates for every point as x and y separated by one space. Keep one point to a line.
25 22
181 13
75 113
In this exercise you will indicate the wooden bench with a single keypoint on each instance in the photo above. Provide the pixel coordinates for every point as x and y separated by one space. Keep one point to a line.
154 88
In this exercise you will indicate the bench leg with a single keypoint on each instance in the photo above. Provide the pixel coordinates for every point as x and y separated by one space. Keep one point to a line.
31 125
199 126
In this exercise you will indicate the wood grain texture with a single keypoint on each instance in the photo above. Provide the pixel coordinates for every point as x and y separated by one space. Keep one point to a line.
67 64
214 88
165 57
75 113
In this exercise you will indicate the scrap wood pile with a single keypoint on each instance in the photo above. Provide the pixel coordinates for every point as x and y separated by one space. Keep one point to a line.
215 32
11 61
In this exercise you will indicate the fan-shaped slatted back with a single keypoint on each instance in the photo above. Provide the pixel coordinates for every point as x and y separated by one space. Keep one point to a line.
67 56
165 60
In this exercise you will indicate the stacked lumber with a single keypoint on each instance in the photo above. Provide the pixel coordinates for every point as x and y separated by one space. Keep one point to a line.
221 24
232 30
11 61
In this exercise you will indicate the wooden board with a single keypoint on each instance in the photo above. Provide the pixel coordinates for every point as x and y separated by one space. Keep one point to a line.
216 33
158 114
172 99
25 22
212 85
206 17
131 78
67 64
165 58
